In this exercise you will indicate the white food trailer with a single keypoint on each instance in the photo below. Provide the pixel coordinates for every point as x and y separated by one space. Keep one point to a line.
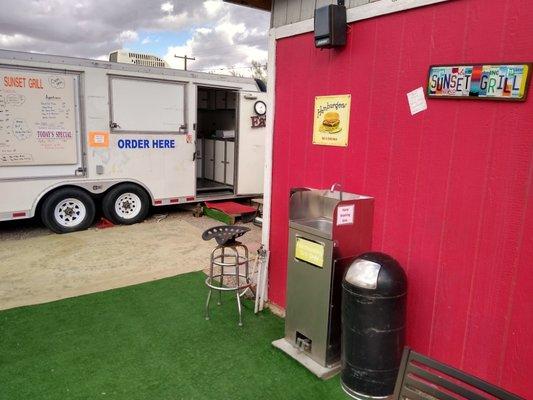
77 134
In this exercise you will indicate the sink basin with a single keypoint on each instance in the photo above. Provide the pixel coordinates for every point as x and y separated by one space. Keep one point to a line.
317 226
320 224
313 210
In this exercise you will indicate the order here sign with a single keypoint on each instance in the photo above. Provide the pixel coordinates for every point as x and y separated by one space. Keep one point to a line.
146 144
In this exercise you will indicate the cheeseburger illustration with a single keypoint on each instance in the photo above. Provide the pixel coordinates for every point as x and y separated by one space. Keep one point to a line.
331 121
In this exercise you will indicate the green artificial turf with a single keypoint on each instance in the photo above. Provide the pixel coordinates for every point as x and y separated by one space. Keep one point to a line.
149 341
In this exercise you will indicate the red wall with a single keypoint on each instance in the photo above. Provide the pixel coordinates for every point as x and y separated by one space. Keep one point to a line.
452 184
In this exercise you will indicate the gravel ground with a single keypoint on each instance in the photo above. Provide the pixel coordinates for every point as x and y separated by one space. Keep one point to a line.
23 229
39 266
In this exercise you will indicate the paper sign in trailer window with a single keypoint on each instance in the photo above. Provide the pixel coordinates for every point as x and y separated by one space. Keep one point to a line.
494 82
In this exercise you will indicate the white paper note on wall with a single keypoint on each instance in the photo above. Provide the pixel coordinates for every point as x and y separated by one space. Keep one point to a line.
417 101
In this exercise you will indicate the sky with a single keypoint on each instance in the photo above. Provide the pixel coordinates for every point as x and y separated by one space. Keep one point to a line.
221 36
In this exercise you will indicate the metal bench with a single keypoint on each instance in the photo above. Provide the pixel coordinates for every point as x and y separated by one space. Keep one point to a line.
421 378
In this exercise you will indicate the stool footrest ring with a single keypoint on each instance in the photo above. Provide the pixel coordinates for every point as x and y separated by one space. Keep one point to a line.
210 279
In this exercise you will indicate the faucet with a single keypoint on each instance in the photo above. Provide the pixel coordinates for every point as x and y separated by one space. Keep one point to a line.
337 186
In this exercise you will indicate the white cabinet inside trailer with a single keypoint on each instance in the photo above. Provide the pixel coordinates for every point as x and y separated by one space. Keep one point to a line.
216 126
233 136
230 162
220 160
209 158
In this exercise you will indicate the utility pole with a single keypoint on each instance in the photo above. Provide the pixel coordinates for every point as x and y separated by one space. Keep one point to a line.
185 58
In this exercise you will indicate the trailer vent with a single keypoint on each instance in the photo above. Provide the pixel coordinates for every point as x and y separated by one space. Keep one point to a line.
144 60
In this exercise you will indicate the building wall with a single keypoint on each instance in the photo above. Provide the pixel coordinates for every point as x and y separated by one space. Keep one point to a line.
285 12
453 184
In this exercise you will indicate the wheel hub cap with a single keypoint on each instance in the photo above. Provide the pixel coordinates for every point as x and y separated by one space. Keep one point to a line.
128 205
70 212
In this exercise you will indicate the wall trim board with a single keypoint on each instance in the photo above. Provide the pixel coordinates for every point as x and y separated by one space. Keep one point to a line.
370 10
269 146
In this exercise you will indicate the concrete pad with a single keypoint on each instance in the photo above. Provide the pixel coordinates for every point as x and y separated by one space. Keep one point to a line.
46 267
317 369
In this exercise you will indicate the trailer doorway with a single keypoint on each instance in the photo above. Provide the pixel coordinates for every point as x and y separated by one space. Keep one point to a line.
216 133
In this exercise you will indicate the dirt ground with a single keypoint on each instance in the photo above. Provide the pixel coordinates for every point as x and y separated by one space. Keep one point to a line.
37 266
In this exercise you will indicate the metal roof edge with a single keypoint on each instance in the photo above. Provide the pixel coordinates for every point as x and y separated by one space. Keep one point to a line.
91 63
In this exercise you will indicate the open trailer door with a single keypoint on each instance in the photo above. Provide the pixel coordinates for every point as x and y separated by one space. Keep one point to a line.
251 143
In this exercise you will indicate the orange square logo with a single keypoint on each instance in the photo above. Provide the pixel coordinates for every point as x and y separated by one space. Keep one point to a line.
99 139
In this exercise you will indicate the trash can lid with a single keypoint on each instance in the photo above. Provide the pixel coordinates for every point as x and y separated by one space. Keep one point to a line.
376 273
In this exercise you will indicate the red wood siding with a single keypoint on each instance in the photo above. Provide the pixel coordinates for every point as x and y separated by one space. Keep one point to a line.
452 184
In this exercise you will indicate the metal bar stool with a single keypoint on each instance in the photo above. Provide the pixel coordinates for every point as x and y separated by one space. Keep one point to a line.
227 255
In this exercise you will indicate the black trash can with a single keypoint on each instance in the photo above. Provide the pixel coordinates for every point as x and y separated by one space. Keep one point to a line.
374 291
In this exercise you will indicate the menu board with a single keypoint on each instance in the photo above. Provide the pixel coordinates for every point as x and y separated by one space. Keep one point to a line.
37 118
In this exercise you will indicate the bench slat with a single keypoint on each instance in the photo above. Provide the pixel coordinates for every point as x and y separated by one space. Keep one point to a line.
411 394
462 376
423 387
431 377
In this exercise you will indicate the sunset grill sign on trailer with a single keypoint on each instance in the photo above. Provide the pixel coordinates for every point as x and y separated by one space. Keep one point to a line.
487 82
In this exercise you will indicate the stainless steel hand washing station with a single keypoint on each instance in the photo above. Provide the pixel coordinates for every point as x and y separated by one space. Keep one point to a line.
327 230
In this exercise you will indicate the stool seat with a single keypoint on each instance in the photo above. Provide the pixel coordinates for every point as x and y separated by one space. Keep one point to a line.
228 255
224 233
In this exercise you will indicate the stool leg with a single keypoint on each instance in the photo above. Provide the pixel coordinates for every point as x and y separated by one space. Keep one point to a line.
207 317
246 265
221 278
239 307
246 270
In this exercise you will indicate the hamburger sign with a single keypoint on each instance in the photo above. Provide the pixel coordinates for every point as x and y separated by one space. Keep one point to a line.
331 120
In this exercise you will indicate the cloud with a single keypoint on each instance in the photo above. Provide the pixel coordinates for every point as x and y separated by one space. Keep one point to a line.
219 34
230 45
213 6
167 7
128 36
174 21
8 41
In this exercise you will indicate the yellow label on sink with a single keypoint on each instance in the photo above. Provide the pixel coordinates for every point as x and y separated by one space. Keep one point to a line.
309 251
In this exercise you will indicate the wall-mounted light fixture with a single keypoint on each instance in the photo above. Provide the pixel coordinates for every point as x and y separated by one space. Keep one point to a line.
330 25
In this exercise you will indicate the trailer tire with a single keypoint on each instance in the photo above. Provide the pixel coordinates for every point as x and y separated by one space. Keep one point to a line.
68 210
126 204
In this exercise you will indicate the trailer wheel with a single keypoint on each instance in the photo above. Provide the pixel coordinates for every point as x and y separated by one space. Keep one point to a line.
126 204
68 210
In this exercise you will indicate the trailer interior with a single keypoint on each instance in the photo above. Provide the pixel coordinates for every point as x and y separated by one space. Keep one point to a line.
215 141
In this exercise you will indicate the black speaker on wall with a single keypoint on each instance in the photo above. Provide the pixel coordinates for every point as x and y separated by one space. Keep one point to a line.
330 26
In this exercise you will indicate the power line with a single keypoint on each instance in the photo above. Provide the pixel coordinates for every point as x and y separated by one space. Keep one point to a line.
231 68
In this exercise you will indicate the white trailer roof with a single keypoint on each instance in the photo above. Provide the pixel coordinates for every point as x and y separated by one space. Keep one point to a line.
72 62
